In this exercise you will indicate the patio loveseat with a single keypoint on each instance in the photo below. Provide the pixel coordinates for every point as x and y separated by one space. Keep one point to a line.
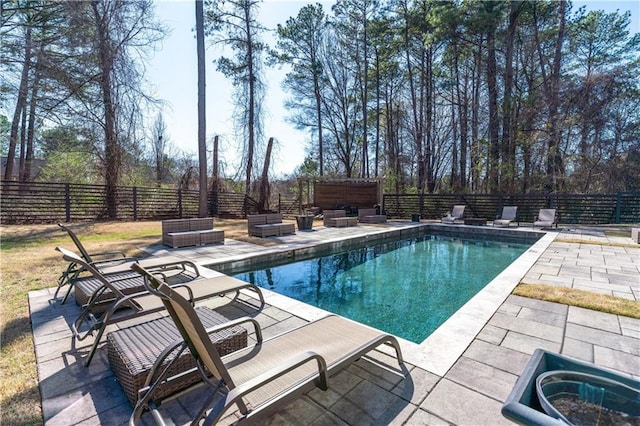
268 225
190 232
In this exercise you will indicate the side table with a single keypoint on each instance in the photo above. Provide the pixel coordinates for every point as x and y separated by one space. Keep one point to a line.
305 222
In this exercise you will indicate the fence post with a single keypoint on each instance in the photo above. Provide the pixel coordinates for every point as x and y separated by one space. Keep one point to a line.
135 203
279 202
180 203
67 202
618 206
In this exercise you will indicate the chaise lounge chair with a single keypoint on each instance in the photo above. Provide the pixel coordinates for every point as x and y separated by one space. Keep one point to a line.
116 262
508 216
100 312
546 219
455 216
263 377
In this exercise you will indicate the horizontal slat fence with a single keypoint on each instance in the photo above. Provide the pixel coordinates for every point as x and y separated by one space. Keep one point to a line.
230 205
59 202
623 207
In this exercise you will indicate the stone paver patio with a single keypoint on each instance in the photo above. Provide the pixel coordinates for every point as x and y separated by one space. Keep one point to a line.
460 375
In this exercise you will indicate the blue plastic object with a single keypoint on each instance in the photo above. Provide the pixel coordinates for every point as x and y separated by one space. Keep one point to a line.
523 405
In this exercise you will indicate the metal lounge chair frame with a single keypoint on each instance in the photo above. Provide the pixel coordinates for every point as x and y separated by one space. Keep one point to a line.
263 377
123 307
117 262
455 216
509 214
546 218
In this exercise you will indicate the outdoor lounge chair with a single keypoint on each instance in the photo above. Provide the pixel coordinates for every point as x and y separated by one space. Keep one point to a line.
116 262
546 218
264 376
508 216
455 216
98 313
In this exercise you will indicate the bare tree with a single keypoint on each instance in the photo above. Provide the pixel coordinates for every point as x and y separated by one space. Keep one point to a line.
550 68
233 23
159 144
299 45
112 36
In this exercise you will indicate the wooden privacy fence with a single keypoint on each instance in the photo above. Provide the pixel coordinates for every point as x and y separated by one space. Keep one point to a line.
62 202
59 202
623 207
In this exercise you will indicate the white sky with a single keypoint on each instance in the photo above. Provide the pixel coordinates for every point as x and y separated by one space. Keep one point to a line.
172 73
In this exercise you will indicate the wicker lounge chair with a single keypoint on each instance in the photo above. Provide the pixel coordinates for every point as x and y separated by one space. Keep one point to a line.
546 219
116 262
98 313
264 376
508 216
455 216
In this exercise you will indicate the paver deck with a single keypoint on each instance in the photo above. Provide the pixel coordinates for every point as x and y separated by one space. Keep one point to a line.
460 375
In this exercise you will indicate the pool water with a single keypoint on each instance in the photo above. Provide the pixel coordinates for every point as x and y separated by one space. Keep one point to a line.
407 288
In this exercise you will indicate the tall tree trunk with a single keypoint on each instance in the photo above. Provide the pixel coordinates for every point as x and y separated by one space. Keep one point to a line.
463 112
263 199
554 162
112 155
476 154
430 104
365 96
508 145
453 183
251 105
377 160
20 105
551 85
26 177
492 89
417 107
26 173
23 143
202 117
318 97
215 181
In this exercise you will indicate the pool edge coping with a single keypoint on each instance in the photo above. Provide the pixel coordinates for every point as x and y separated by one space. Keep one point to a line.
440 351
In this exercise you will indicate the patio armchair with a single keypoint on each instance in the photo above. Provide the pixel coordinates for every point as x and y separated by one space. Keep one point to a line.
509 214
99 312
455 215
263 377
546 219
117 262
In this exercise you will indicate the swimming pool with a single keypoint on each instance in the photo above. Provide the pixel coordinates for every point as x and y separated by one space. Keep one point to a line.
407 288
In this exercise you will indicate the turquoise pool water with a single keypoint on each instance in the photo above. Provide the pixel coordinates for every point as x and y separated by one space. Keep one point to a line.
407 288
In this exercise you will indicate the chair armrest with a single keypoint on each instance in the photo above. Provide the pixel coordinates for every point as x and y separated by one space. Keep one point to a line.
238 321
119 254
182 264
291 364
